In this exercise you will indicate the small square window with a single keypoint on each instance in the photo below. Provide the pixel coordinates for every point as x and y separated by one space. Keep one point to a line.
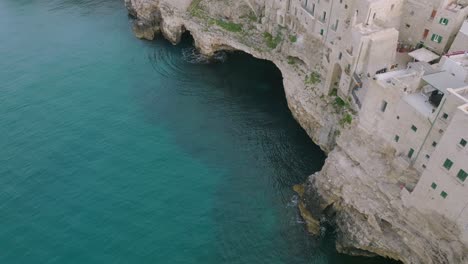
397 138
448 164
444 116
424 166
462 175
443 194
434 185
463 142
428 157
434 144
414 128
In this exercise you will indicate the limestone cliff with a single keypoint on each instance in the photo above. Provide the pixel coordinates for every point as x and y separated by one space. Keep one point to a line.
358 188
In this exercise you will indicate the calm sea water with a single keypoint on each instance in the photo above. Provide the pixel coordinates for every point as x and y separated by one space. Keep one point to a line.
116 150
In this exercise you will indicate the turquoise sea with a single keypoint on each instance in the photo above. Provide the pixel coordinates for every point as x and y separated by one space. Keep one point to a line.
117 150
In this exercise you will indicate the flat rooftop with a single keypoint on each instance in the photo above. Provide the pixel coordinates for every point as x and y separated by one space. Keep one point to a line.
460 59
423 55
443 80
463 93
420 102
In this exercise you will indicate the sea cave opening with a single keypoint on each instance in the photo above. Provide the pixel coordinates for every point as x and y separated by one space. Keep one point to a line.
257 122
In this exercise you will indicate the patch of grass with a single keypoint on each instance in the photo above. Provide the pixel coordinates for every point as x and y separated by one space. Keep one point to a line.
194 8
346 120
334 92
293 38
250 16
272 42
227 25
340 102
313 78
291 60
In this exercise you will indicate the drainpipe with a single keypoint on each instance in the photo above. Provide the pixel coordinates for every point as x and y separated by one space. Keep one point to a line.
429 132
368 16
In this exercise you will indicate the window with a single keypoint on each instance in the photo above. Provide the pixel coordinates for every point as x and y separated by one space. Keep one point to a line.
462 175
448 164
436 38
426 32
463 142
434 144
397 138
410 153
428 157
407 25
443 21
414 128
340 56
444 116
383 106
443 194
424 166
433 14
434 185
335 27
393 6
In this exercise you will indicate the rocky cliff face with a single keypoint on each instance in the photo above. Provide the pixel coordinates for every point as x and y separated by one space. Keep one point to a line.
358 187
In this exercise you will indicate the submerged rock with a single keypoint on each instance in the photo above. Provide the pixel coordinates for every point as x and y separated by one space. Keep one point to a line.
144 31
312 223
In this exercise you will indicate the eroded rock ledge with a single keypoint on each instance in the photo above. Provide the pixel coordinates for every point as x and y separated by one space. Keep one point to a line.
358 188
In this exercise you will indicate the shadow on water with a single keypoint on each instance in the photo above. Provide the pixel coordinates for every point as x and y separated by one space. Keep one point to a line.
238 107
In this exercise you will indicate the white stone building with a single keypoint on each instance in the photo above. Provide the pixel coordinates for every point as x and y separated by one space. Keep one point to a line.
431 23
443 186
461 40
422 112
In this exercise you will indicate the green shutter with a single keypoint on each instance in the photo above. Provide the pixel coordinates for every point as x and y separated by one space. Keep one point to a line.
397 138
448 164
414 128
410 153
434 185
443 21
433 37
463 142
439 39
462 175
443 194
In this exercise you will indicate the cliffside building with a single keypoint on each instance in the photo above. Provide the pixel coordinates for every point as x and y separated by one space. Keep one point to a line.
386 56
